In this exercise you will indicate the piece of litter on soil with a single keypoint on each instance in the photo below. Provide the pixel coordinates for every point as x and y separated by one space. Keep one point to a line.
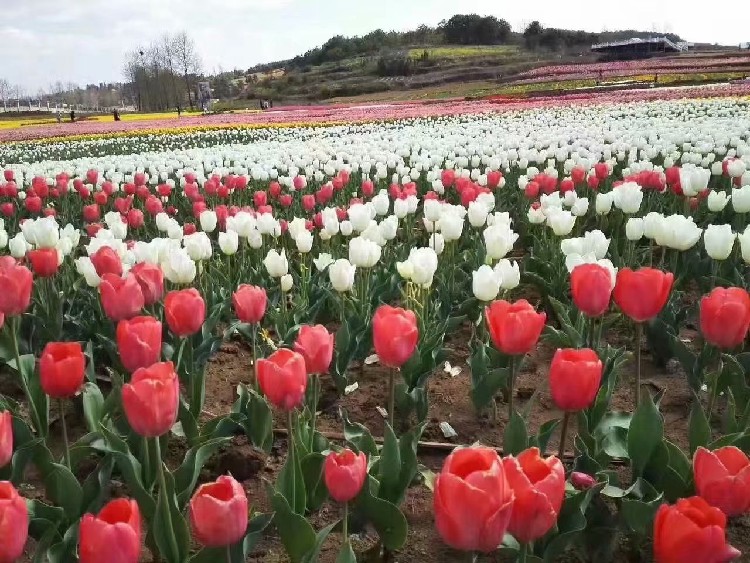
448 430
686 340
369 360
452 370
351 388
382 411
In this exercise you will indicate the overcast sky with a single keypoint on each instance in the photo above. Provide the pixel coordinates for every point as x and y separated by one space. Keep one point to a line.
84 41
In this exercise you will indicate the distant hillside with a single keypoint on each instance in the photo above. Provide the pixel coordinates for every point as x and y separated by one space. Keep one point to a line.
464 49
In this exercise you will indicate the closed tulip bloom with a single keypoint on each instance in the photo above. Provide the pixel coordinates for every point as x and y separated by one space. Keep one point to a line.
122 298
15 281
722 478
345 473
218 512
574 378
591 286
151 399
394 334
691 530
472 500
725 317
719 241
14 523
315 344
249 303
185 311
116 531
514 327
539 488
283 378
6 438
61 369
44 261
642 294
151 280
106 261
139 342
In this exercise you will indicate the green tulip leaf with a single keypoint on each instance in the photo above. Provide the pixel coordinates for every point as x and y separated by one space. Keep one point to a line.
93 406
515 437
645 433
96 485
320 538
186 475
169 526
385 516
699 430
346 554
359 437
291 484
312 473
295 531
242 549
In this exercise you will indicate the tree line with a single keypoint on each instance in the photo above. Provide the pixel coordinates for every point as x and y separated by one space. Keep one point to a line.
163 74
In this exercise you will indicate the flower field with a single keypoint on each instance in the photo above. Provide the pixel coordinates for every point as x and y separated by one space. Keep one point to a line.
429 332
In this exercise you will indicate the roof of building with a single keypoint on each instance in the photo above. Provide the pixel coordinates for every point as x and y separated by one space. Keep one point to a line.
668 44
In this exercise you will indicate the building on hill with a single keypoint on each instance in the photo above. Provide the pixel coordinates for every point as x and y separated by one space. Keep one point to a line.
638 48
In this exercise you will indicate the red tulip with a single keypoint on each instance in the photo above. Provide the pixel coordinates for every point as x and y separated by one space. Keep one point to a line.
43 261
15 281
574 378
691 530
249 303
725 317
578 174
539 488
394 334
100 198
7 209
283 378
185 311
642 294
122 298
218 512
151 399
722 478
345 473
591 286
116 531
447 178
8 175
6 438
135 219
151 280
315 344
33 204
514 327
106 261
14 523
91 213
472 501
139 342
61 369
582 481
308 202
601 170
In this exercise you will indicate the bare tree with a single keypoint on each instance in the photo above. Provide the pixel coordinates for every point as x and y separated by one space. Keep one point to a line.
188 60
5 91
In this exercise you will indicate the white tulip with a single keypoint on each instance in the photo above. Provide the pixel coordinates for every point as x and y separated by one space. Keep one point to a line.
381 203
424 264
652 224
437 243
400 208
18 246
433 209
580 207
604 203
363 253
229 242
86 268
451 226
299 225
3 238
208 220
485 283
267 224
561 222
693 179
178 267
717 201
255 239
510 274
341 273
323 261
744 239
678 232
719 241
389 227
286 282
346 228
304 241
634 228
276 263
741 199
536 216
360 216
627 197
405 269
477 214
499 241
198 246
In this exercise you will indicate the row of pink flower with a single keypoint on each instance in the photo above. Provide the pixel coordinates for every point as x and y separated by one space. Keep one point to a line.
696 63
591 75
359 113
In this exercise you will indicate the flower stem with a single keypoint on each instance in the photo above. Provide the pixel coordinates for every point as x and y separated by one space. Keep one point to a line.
714 389
65 435
563 434
255 357
391 396
314 409
523 553
637 390
14 324
229 554
514 364
146 462
165 500
345 523
290 446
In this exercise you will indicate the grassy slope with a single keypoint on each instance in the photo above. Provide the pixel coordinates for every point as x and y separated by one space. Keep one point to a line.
452 71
